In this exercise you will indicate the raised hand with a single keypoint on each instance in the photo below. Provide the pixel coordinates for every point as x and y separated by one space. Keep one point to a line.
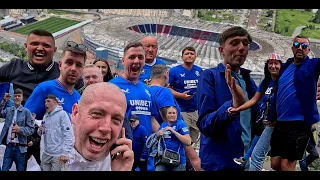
6 98
238 96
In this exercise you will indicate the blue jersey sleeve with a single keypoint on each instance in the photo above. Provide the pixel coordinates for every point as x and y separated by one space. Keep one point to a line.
172 77
183 128
260 88
165 98
35 102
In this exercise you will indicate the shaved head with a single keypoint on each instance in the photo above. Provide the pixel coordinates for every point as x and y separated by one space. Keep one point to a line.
97 120
102 90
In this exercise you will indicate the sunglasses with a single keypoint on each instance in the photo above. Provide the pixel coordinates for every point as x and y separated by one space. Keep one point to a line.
82 47
297 45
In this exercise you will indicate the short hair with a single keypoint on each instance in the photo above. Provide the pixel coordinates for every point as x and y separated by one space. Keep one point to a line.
18 91
132 44
232 32
189 48
41 32
302 37
75 50
52 96
158 70
164 110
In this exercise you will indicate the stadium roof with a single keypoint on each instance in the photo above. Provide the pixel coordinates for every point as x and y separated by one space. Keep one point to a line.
27 17
7 20
13 25
71 27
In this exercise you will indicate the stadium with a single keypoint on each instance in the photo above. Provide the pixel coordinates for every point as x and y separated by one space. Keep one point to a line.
175 33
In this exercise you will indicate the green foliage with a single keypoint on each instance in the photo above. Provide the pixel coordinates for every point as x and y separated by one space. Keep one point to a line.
317 17
312 33
14 49
52 24
288 19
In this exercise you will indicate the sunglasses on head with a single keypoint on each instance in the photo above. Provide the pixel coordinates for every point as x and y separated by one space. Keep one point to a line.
82 47
297 45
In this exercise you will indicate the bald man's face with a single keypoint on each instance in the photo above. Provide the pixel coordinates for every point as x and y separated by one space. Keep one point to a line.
150 45
97 121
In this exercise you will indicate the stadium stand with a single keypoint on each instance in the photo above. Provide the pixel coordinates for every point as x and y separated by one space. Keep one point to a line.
175 33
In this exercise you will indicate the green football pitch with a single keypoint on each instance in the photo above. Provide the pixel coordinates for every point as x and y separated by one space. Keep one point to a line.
52 24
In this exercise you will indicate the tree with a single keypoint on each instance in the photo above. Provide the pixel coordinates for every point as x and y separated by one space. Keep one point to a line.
309 10
269 13
317 17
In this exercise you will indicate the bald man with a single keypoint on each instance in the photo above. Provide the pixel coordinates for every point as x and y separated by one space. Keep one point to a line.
150 45
91 75
97 124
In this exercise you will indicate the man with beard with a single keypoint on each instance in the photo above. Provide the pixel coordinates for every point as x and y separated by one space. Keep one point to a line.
183 82
225 136
136 92
294 107
26 75
150 45
71 66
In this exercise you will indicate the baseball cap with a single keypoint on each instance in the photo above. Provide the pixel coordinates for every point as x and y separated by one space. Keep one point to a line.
133 118
275 56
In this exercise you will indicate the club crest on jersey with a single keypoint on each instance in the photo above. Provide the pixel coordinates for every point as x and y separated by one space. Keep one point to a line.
60 102
126 91
268 91
197 73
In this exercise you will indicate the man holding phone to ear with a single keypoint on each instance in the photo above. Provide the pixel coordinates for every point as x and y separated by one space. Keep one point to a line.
97 121
183 83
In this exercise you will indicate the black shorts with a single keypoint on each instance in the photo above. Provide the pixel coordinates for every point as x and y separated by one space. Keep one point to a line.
289 139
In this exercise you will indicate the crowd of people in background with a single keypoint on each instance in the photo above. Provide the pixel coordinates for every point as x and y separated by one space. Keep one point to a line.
72 116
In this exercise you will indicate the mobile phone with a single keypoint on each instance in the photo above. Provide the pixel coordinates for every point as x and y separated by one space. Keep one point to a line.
114 146
191 94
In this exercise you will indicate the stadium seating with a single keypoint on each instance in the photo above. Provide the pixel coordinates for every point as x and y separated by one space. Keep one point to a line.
175 33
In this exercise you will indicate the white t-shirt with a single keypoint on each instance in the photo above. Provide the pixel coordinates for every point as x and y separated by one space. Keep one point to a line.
77 163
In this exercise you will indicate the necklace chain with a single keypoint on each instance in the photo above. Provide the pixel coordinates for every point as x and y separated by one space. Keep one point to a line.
70 92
